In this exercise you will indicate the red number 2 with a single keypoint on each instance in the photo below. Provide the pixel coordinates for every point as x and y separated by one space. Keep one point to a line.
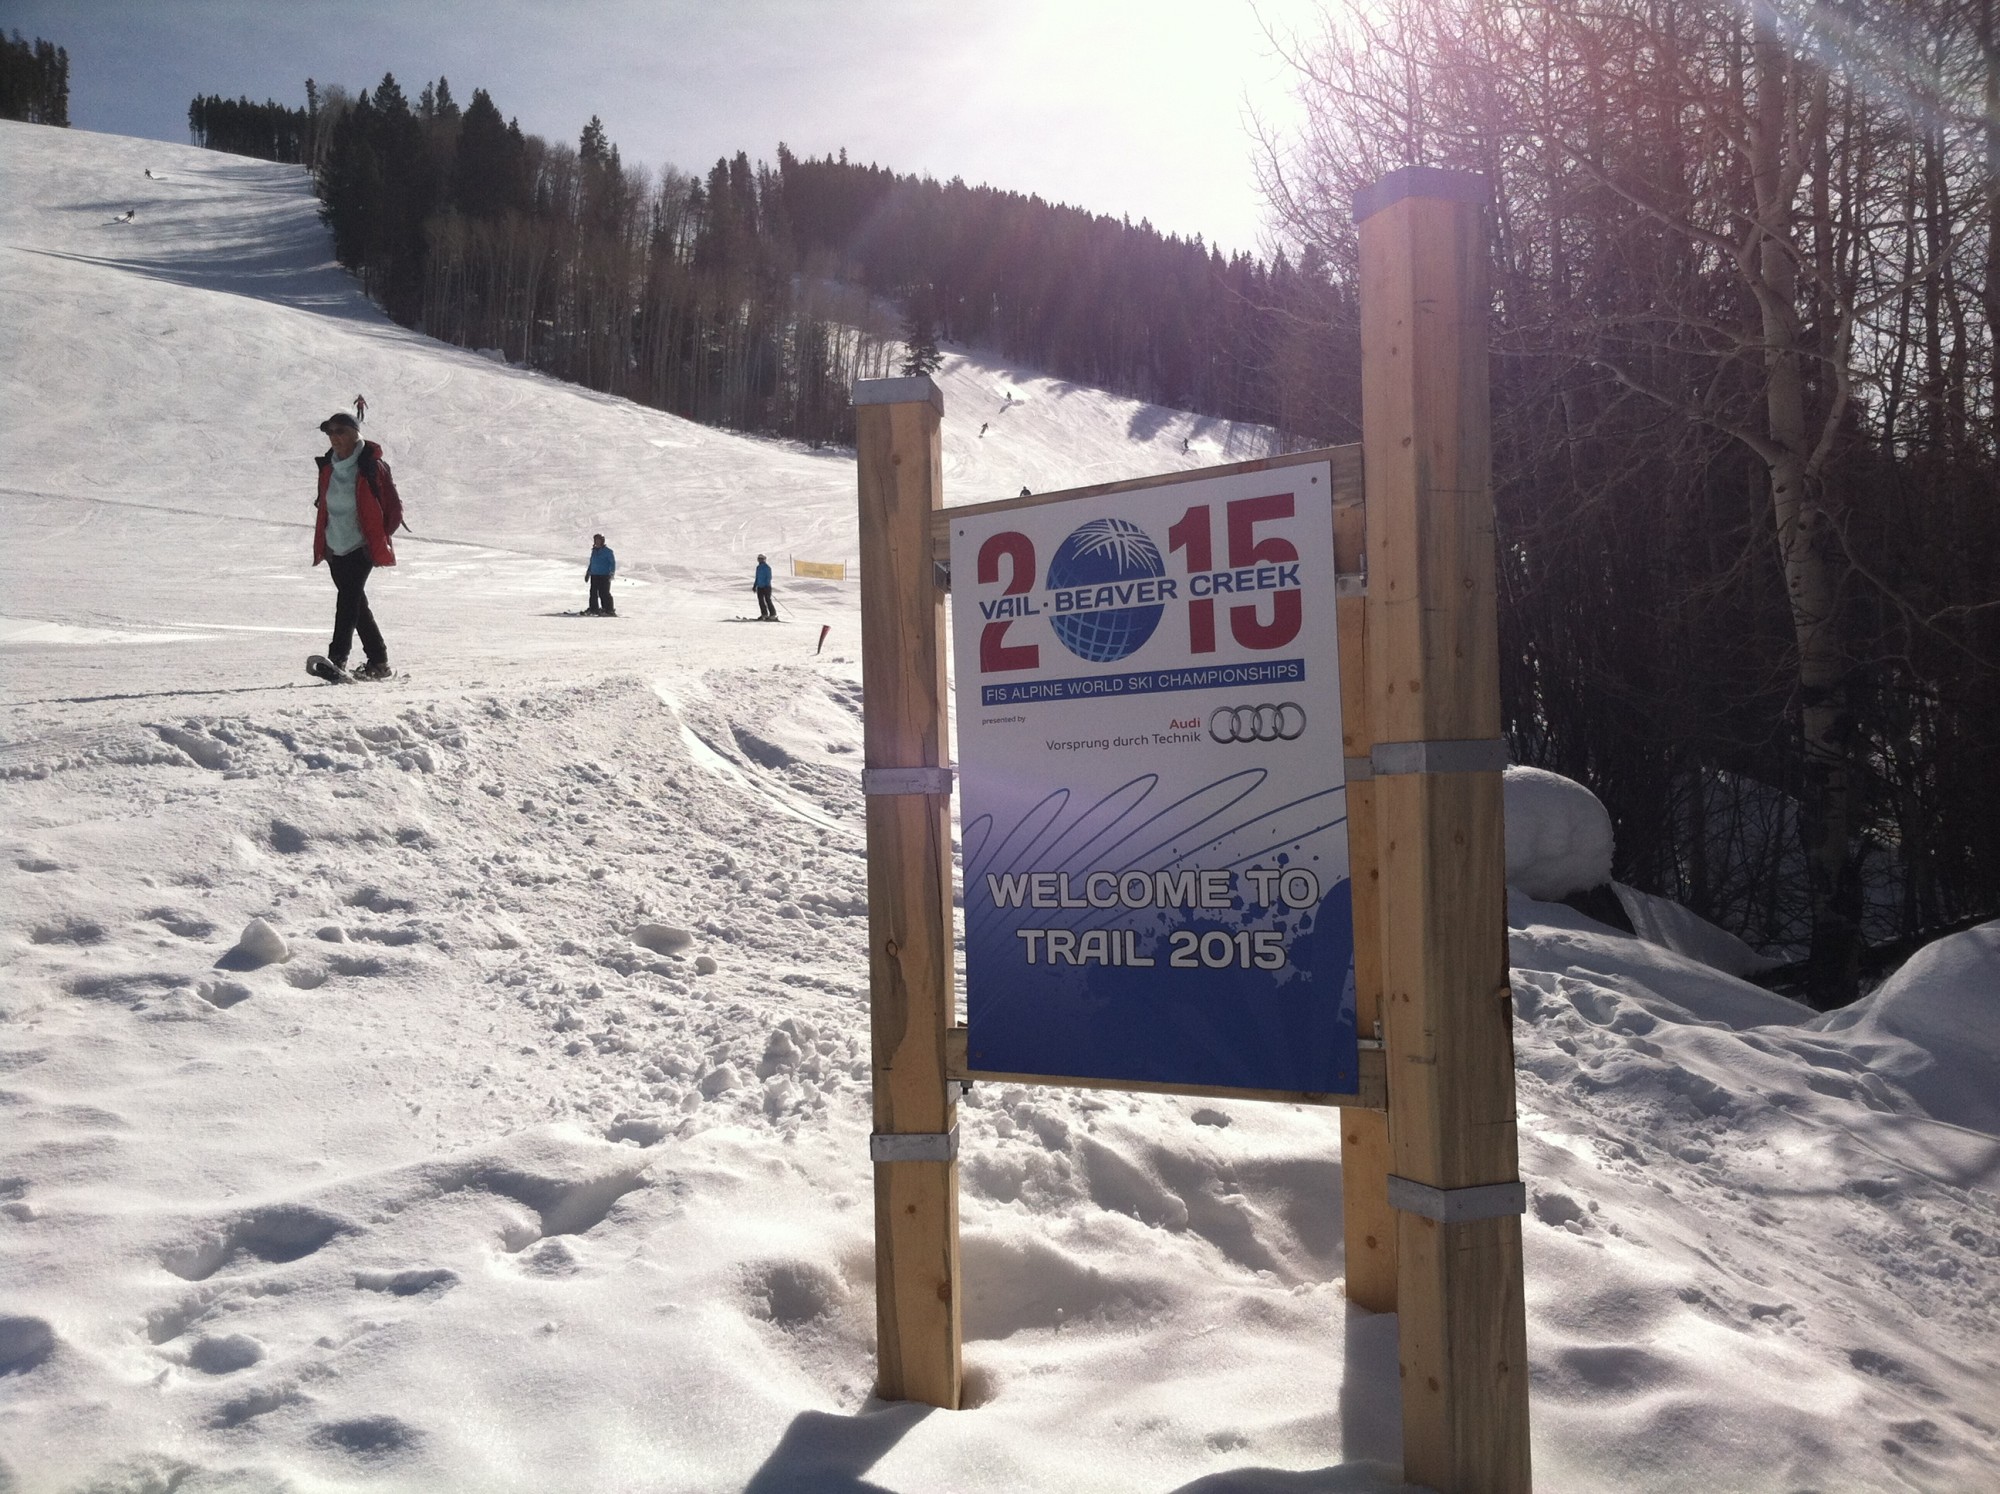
995 655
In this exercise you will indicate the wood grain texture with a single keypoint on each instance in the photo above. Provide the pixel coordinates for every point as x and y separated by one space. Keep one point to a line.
1368 1224
1447 1006
1463 1356
917 1290
1431 562
1433 669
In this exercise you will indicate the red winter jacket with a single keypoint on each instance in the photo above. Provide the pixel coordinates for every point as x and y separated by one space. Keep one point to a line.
372 485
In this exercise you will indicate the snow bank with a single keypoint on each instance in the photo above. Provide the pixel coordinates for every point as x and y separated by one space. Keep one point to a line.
1558 835
1934 1028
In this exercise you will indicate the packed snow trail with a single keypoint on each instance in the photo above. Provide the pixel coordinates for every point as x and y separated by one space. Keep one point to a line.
371 1123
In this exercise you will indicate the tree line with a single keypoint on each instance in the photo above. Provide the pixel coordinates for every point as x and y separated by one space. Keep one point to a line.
1746 418
269 131
753 296
34 81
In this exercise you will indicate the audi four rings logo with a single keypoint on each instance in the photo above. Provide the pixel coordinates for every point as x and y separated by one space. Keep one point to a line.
1258 723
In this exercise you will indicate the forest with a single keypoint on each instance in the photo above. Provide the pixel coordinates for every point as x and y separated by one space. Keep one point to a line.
34 81
753 296
1746 276
1746 266
269 131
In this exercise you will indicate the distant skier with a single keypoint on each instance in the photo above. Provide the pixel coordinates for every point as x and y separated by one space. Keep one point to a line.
358 508
766 611
602 567
151 178
1025 493
127 216
360 409
1184 445
982 428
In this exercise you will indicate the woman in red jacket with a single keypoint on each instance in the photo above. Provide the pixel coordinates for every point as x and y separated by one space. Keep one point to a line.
358 509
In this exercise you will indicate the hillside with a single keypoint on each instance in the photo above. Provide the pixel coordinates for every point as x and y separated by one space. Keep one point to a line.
475 1191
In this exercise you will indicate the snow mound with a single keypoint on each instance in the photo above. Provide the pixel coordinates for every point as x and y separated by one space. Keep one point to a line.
1934 1028
1662 921
1669 984
260 944
1558 835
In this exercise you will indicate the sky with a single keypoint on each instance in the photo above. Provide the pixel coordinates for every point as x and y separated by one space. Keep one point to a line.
1139 108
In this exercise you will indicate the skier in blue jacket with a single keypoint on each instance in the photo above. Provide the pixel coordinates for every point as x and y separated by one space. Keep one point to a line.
603 566
766 612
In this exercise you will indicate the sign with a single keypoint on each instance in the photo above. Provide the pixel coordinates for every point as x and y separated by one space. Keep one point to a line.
1152 805
824 570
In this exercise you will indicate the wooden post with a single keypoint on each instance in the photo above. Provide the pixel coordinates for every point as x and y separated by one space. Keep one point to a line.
915 1145
1433 666
1368 1223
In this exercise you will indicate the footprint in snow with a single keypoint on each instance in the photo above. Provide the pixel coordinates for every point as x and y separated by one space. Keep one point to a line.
277 1234
412 1281
68 931
224 1353
367 1437
25 1344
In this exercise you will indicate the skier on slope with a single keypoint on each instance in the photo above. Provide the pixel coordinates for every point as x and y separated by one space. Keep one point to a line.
360 409
357 509
766 611
603 565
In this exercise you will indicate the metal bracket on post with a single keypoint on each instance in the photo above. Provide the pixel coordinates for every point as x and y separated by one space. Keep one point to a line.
1478 755
905 781
1457 1205
914 1146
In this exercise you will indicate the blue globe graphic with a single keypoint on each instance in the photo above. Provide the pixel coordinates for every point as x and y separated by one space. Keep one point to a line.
1097 554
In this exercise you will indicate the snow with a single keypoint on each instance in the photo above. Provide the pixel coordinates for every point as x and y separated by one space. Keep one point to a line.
1558 834
1679 928
1934 1027
484 1188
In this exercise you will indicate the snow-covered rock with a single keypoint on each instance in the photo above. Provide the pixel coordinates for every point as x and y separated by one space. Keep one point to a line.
1558 835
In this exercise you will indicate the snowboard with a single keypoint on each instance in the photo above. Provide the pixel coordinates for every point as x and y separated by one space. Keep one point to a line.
321 667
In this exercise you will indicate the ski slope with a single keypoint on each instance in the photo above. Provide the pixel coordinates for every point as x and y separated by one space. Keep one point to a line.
474 1189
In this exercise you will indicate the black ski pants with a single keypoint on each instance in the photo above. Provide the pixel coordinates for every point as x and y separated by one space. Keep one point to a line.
600 594
350 609
766 612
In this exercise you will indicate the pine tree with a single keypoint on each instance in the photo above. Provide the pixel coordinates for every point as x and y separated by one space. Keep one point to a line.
921 354
487 175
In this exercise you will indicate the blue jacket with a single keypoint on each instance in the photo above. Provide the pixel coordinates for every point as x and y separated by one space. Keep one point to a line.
602 562
763 574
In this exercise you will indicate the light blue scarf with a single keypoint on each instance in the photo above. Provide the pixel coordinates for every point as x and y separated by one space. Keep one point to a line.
343 524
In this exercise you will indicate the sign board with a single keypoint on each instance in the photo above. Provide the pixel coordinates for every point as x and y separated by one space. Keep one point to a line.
1152 804
824 570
